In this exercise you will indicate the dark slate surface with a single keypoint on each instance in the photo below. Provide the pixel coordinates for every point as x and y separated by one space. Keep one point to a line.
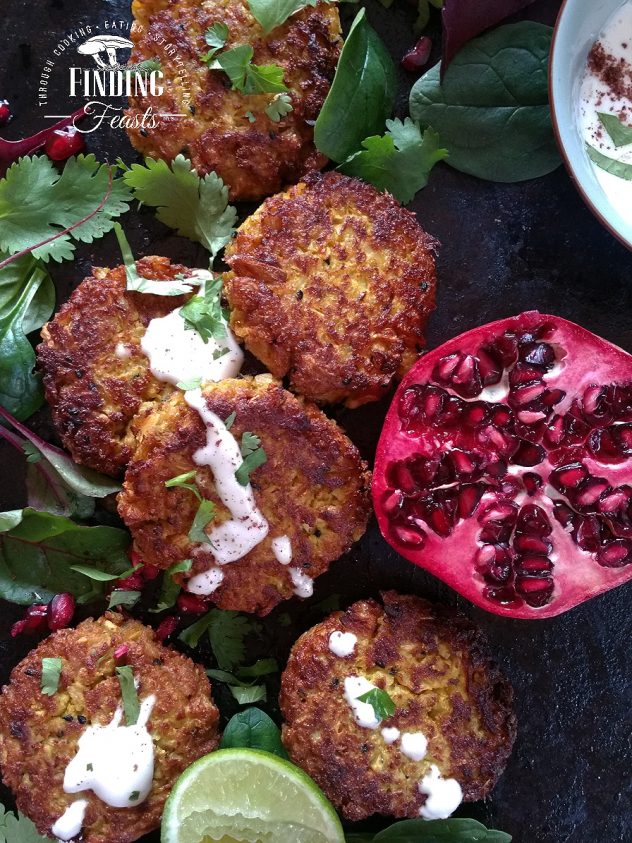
505 248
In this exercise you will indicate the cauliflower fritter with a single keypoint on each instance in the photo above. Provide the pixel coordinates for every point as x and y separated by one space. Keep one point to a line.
95 374
39 734
331 285
254 158
435 666
312 489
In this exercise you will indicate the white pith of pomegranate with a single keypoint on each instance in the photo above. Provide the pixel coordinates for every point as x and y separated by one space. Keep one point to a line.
505 466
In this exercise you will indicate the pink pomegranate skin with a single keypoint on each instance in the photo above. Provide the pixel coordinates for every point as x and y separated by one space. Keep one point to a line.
504 466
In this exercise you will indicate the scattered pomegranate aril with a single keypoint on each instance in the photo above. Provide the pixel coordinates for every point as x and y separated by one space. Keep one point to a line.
120 652
61 610
167 627
5 112
134 582
63 143
150 572
418 56
191 604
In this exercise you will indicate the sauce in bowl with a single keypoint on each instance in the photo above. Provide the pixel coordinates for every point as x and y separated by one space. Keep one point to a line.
605 110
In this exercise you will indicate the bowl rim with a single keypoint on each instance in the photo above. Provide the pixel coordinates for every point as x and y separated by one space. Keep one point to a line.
605 222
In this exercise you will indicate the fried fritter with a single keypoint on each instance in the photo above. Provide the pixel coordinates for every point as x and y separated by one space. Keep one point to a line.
95 374
215 130
331 285
313 489
435 666
39 734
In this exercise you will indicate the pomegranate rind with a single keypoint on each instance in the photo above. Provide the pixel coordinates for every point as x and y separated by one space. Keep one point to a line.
577 576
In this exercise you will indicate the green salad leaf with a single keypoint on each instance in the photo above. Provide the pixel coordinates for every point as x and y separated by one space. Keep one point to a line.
399 161
196 207
253 729
131 704
36 203
361 97
38 550
491 110
243 691
123 597
18 829
433 831
170 588
227 631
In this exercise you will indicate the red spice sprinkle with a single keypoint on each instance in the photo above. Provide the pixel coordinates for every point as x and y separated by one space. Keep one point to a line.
614 72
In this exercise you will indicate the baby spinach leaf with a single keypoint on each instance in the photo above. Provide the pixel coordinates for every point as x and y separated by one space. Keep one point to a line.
610 165
123 597
38 550
400 161
27 299
620 134
253 729
440 831
380 701
362 94
491 110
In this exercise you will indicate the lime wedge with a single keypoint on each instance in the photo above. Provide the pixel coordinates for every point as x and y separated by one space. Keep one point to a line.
248 796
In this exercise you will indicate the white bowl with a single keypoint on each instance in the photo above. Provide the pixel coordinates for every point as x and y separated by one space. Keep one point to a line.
578 27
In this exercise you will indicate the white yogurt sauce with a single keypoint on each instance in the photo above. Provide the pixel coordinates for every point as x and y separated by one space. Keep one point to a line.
303 585
282 549
595 96
240 534
356 686
71 821
342 643
390 735
179 354
444 795
414 745
207 582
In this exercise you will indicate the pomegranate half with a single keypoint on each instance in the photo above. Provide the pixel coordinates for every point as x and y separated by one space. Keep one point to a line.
505 466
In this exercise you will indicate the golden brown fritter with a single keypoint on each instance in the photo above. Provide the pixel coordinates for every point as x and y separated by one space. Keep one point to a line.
39 734
95 375
313 488
254 158
332 284
435 666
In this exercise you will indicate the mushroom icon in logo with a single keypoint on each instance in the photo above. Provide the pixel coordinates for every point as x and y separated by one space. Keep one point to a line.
107 45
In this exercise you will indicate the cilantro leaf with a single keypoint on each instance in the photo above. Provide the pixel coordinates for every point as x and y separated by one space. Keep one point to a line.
185 386
205 514
229 421
254 456
215 37
380 701
247 694
247 77
123 597
36 203
610 165
399 161
279 107
103 576
203 313
272 13
170 589
620 134
195 207
51 674
227 631
181 481
131 705
253 729
31 453
137 284
18 829
436 831
251 117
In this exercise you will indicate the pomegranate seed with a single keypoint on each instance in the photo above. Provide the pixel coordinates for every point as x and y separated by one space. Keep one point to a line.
535 565
60 611
622 402
505 596
462 463
527 395
5 112
486 555
489 366
468 500
532 519
506 348
501 415
499 513
408 536
451 410
63 143
134 582
596 404
192 604
149 572
421 404
135 558
532 482
529 454
614 501
563 514
531 417
615 554
510 486
536 591
167 627
537 354
530 544
476 414
392 501
603 446
590 491
18 628
466 379
555 432
418 56
522 375
441 521
446 367
121 651
569 476
588 535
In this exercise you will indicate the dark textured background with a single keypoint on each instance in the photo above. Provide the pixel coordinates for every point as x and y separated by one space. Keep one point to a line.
505 248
